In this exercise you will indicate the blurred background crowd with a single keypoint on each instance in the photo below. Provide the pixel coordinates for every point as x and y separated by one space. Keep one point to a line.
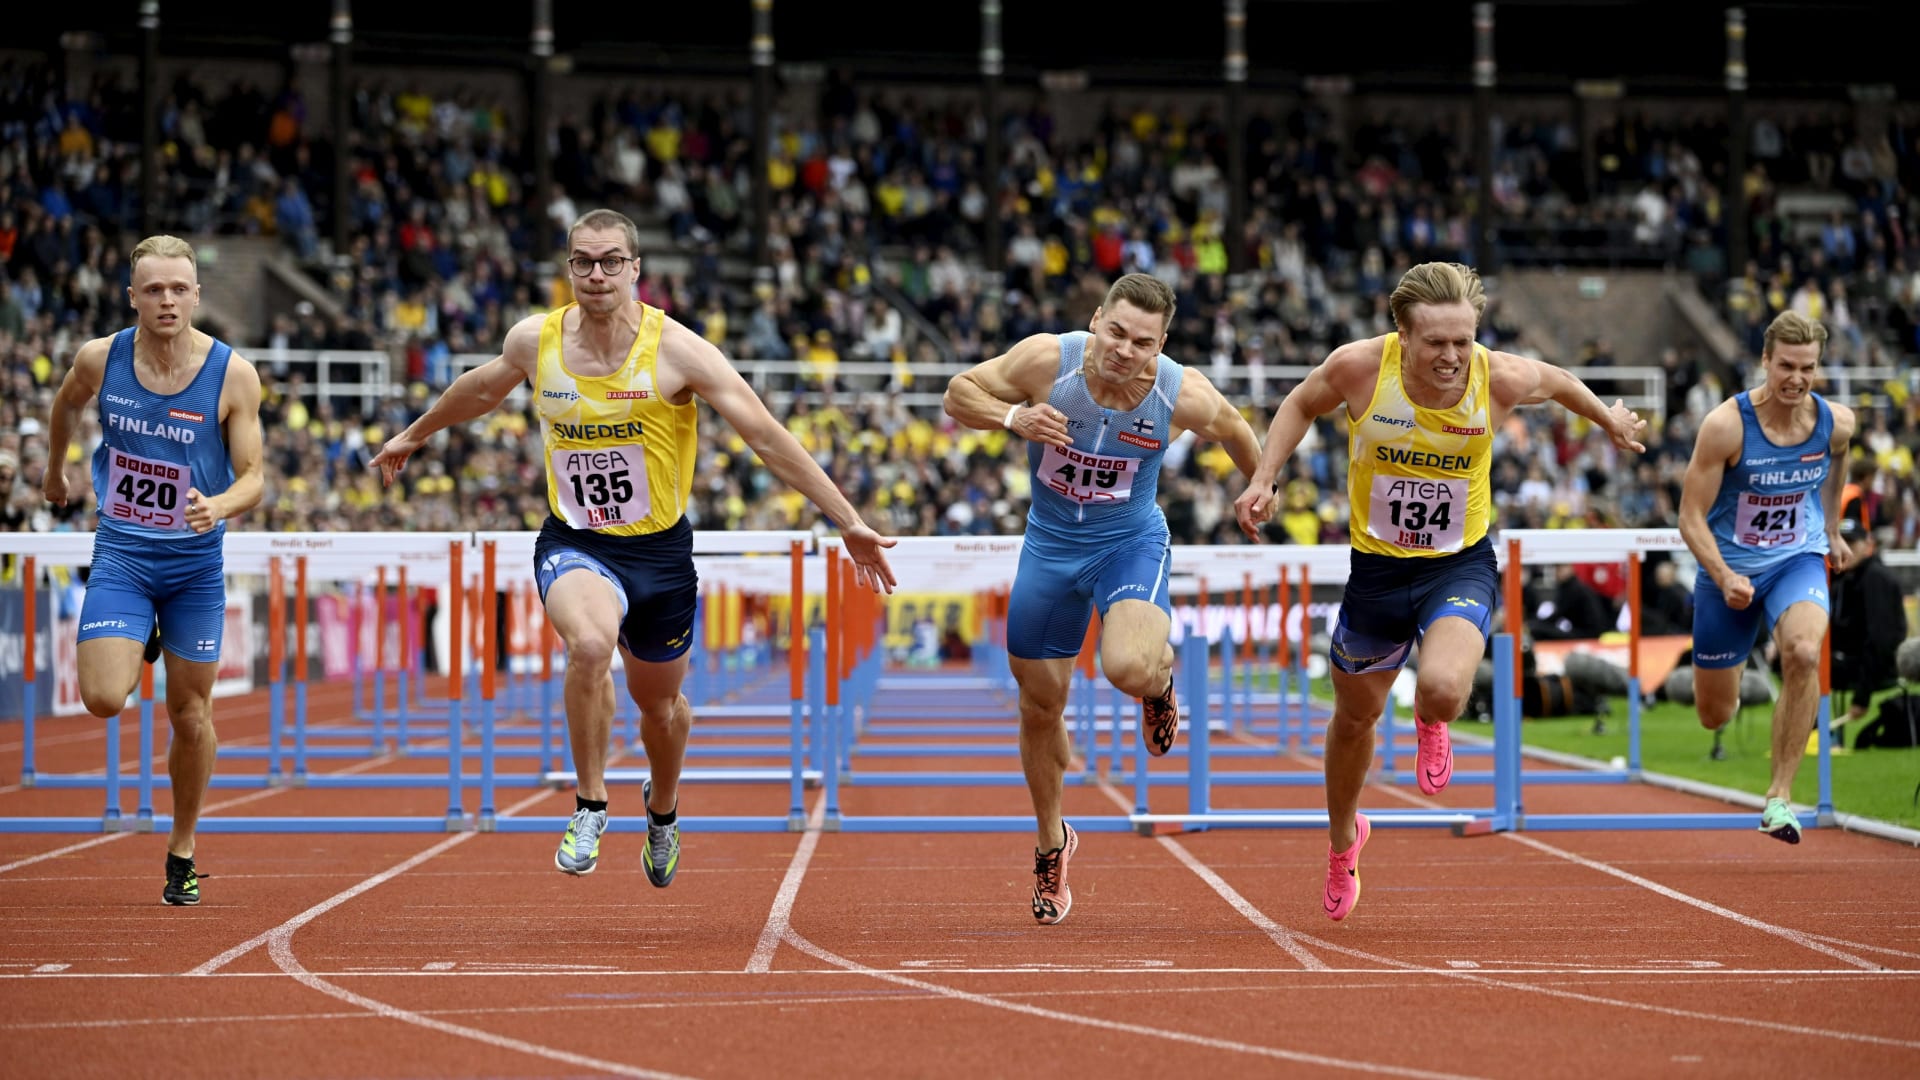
878 280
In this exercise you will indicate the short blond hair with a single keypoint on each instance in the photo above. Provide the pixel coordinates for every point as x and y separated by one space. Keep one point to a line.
1437 283
162 247
1144 291
1793 328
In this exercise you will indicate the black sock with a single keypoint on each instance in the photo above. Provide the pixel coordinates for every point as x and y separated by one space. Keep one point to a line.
580 804
665 819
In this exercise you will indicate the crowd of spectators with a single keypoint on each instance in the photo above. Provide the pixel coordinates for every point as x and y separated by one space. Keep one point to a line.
879 211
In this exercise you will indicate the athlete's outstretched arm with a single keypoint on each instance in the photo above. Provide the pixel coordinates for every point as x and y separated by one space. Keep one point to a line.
996 393
474 394
1840 553
81 385
714 380
1316 396
1717 444
241 397
1522 381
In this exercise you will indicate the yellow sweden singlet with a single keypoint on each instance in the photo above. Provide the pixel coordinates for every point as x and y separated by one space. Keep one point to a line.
619 457
1417 485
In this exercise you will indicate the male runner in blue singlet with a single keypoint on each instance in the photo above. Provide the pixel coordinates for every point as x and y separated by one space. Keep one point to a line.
179 455
1098 409
1760 510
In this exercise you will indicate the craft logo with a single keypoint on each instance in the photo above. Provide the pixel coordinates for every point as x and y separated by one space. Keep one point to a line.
1393 421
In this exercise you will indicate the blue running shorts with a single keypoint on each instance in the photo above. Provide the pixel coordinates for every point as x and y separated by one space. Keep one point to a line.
182 581
1048 613
1722 637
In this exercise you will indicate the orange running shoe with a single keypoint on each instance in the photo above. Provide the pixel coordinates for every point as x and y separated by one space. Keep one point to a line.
1343 873
1436 756
1051 897
1160 721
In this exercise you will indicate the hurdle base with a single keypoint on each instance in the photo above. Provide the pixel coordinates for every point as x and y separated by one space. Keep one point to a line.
484 823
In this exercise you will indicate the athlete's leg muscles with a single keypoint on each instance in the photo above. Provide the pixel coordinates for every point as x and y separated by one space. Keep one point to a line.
191 754
1357 703
1134 653
109 670
1799 633
585 612
1450 652
1045 749
666 717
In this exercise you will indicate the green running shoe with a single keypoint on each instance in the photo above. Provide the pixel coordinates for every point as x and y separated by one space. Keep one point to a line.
1778 821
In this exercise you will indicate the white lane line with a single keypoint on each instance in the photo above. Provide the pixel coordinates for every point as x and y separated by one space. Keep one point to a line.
1639 975
337 899
1207 1042
239 800
1280 935
1804 940
777 919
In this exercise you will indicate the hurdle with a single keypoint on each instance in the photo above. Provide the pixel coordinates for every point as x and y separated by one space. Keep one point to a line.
1553 546
729 563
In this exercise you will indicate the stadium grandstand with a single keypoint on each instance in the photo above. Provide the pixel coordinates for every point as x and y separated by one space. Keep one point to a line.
363 281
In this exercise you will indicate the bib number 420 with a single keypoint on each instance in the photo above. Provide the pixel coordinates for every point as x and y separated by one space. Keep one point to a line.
143 492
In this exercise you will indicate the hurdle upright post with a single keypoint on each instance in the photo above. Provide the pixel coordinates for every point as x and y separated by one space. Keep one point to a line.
1282 660
144 815
403 668
831 726
300 669
1246 652
1824 812
276 663
796 683
456 592
489 655
547 748
1633 663
1305 713
30 581
380 596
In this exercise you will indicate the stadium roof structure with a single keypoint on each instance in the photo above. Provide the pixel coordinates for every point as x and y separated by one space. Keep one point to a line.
1542 46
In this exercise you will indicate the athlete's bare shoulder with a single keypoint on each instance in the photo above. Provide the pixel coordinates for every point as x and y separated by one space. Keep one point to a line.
1353 368
521 348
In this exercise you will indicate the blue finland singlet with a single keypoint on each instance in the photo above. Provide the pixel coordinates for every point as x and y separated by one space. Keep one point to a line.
156 446
1104 486
1769 507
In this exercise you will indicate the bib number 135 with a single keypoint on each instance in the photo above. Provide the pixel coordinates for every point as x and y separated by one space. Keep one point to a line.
600 489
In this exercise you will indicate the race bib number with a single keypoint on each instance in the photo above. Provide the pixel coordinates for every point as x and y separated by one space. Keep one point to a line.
1087 478
1770 521
150 494
602 488
1418 515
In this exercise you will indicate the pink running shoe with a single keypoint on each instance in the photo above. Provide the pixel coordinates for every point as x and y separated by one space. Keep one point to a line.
1343 873
1051 897
1436 756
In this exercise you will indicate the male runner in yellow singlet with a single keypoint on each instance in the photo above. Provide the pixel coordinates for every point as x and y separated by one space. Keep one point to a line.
614 382
1422 405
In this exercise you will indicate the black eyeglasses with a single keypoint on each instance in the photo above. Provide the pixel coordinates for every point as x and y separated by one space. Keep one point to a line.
609 264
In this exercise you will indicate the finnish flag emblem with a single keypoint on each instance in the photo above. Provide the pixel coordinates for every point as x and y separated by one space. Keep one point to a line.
205 644
1142 425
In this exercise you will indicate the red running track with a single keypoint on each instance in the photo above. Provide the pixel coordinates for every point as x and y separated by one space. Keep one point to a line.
828 954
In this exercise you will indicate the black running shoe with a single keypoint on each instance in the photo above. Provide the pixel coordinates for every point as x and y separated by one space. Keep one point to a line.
152 654
1160 721
183 882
